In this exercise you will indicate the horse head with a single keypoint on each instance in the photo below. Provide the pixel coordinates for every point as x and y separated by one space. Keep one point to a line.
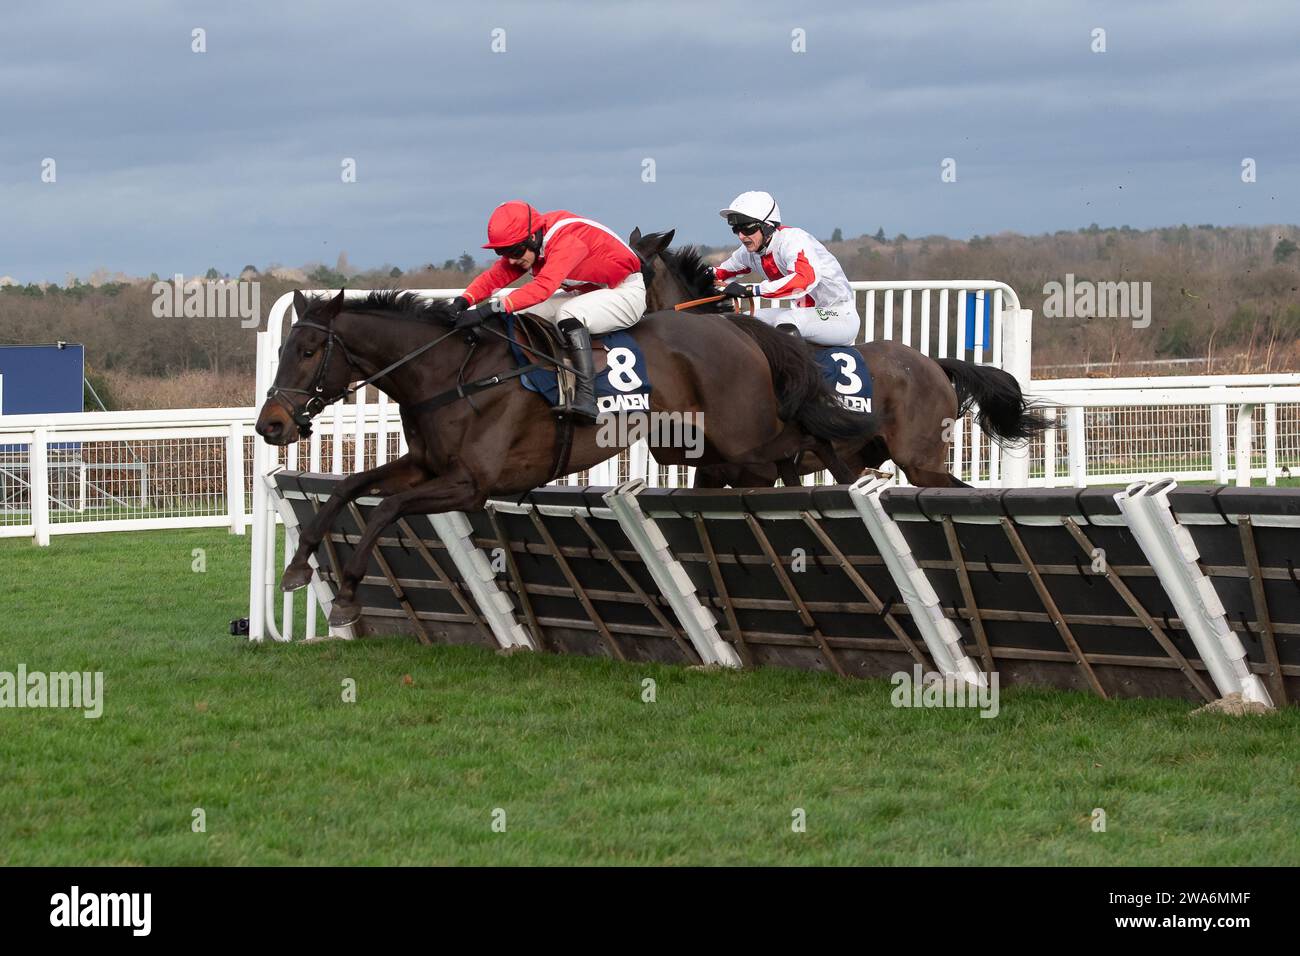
314 370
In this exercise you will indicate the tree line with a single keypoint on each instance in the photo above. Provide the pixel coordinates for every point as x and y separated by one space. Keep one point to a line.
1216 291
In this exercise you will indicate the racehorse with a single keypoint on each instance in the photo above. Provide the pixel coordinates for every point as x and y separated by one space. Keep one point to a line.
915 398
474 432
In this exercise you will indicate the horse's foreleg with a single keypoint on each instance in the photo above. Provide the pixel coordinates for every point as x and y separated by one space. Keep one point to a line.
394 476
454 492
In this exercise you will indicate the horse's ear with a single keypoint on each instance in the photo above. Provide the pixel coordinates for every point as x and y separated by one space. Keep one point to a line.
299 303
656 243
633 239
336 305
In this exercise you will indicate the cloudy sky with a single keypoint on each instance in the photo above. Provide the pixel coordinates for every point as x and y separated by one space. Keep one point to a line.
168 160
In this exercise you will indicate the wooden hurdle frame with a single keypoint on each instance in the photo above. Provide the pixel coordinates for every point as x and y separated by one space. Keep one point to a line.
860 581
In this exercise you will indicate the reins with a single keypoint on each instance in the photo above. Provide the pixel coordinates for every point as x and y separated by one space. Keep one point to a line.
709 300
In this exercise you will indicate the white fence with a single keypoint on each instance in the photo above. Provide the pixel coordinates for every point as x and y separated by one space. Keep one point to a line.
118 471
1195 427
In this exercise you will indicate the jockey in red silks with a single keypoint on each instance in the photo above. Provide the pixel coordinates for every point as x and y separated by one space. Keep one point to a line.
585 279
796 265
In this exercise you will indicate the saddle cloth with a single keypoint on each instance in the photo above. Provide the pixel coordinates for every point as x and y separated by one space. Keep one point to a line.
622 381
845 371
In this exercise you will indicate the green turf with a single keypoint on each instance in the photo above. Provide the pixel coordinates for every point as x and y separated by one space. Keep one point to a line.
259 737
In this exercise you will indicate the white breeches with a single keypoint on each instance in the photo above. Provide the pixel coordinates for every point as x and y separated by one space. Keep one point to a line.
601 311
821 325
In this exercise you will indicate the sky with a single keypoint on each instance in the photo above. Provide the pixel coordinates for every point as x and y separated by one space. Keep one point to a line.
169 160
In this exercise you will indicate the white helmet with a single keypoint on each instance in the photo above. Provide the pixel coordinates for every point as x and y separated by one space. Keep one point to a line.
756 205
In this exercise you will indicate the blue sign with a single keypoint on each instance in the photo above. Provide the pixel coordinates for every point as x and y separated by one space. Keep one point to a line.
36 379
41 379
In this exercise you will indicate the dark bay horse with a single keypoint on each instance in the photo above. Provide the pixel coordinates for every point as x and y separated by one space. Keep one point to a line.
915 398
504 441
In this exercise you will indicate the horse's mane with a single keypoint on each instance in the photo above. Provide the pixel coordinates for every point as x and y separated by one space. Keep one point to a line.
688 264
407 305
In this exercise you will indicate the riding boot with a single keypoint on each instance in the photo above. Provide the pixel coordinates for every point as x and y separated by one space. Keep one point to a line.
577 342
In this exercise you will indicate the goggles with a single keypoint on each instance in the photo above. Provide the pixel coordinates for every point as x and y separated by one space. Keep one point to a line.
511 252
742 226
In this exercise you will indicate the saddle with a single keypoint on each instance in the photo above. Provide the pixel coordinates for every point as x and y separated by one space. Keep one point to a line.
622 381
536 338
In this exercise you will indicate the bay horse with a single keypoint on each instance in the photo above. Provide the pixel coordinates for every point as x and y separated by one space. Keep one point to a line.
915 398
473 431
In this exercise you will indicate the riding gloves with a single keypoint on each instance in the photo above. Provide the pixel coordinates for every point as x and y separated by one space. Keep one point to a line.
472 318
738 290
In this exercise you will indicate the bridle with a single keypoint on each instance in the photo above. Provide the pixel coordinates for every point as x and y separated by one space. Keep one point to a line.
317 401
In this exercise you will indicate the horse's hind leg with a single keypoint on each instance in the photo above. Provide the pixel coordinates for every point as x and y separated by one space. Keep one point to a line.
930 470
394 476
927 478
928 466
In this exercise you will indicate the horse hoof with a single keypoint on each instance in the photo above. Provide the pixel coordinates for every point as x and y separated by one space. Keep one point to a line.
344 613
295 576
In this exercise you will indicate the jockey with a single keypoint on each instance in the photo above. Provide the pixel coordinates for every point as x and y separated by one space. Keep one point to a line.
796 266
585 279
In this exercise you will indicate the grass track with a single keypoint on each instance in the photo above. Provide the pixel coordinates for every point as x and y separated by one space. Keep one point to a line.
287 773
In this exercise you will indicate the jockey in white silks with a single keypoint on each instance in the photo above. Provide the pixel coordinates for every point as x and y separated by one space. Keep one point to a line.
796 266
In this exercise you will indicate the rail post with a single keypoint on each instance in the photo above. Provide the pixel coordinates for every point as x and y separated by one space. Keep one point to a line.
1270 443
1245 427
39 465
235 477
1017 343
1077 445
1219 435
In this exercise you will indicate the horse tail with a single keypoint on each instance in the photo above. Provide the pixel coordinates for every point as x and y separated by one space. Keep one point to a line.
802 394
1004 411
